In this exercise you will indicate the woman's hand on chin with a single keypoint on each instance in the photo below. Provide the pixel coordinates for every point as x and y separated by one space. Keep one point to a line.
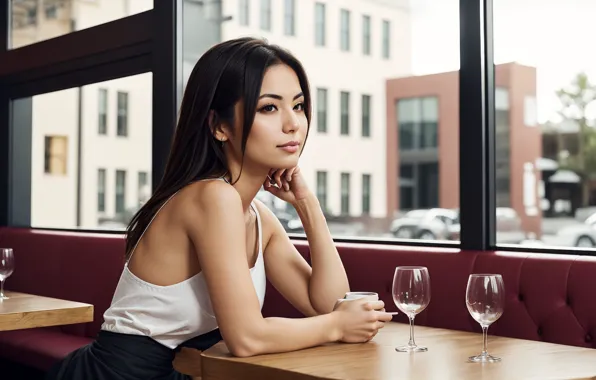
287 184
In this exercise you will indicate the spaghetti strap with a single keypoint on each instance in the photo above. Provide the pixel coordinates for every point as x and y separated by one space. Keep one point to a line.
158 210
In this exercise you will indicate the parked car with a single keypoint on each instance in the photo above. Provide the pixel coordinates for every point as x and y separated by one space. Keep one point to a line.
427 224
444 224
578 235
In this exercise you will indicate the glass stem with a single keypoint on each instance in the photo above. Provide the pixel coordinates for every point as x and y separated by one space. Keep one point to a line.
2 288
484 340
412 343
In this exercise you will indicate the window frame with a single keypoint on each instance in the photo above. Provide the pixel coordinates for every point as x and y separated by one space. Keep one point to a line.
129 46
320 27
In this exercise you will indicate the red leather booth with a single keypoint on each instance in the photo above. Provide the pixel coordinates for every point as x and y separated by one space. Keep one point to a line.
549 297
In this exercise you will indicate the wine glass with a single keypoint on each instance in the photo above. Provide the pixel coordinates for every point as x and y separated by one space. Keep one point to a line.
411 294
6 268
485 298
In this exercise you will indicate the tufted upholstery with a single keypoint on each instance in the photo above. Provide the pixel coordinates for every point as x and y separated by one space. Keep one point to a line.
549 297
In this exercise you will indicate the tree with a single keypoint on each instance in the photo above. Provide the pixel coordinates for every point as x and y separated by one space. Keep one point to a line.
576 100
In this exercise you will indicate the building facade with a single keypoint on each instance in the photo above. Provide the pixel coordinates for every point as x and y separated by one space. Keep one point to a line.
348 48
423 143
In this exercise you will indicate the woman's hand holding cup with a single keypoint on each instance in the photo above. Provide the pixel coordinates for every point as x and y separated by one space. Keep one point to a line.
360 315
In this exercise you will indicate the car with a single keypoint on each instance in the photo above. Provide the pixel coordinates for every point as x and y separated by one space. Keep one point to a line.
427 224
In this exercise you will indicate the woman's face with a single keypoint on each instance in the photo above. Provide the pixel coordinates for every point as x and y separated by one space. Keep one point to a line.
280 125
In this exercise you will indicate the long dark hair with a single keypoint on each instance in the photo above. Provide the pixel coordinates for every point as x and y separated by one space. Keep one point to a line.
227 73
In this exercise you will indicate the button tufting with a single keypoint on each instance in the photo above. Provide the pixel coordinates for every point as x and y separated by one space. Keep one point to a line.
521 298
568 301
539 331
588 338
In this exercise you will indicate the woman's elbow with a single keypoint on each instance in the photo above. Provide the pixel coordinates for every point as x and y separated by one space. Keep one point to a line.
243 347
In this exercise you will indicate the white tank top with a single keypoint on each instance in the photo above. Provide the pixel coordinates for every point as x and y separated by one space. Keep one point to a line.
171 314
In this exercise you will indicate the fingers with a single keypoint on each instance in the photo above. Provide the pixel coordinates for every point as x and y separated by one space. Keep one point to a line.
375 305
384 316
277 177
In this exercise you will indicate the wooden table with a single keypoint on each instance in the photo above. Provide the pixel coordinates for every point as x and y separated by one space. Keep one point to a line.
446 358
27 311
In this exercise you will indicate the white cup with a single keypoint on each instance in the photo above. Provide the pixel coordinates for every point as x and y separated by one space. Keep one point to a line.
368 296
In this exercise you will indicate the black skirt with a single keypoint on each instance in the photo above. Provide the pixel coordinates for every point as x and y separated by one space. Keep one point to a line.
114 356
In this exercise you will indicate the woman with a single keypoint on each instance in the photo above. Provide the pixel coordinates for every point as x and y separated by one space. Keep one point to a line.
197 252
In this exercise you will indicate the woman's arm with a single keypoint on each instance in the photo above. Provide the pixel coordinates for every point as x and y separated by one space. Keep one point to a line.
214 220
314 290
328 281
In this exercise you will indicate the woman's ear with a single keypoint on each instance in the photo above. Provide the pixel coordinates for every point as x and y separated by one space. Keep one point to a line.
216 126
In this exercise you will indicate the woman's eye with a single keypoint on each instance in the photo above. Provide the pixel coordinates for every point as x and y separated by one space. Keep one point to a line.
299 107
268 108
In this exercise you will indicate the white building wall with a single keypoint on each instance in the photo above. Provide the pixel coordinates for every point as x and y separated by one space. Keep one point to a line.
54 197
329 67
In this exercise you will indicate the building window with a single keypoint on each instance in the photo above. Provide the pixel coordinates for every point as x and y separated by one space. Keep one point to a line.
366 115
418 120
345 193
321 110
290 18
366 35
407 186
266 14
55 155
345 113
120 191
102 106
101 190
502 148
50 11
344 30
320 28
366 193
122 125
243 12
322 189
386 39
419 185
143 191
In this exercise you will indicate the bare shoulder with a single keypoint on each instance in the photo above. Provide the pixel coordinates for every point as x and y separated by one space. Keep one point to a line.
203 199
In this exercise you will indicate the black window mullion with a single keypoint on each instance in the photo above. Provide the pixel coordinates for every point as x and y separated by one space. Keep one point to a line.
477 128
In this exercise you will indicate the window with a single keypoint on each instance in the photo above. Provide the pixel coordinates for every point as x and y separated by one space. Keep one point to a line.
366 194
266 15
419 185
290 18
321 110
345 113
322 189
418 123
386 39
366 115
72 164
120 191
122 124
101 190
502 148
56 155
345 193
344 30
143 189
102 120
27 26
50 11
320 28
366 35
244 12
